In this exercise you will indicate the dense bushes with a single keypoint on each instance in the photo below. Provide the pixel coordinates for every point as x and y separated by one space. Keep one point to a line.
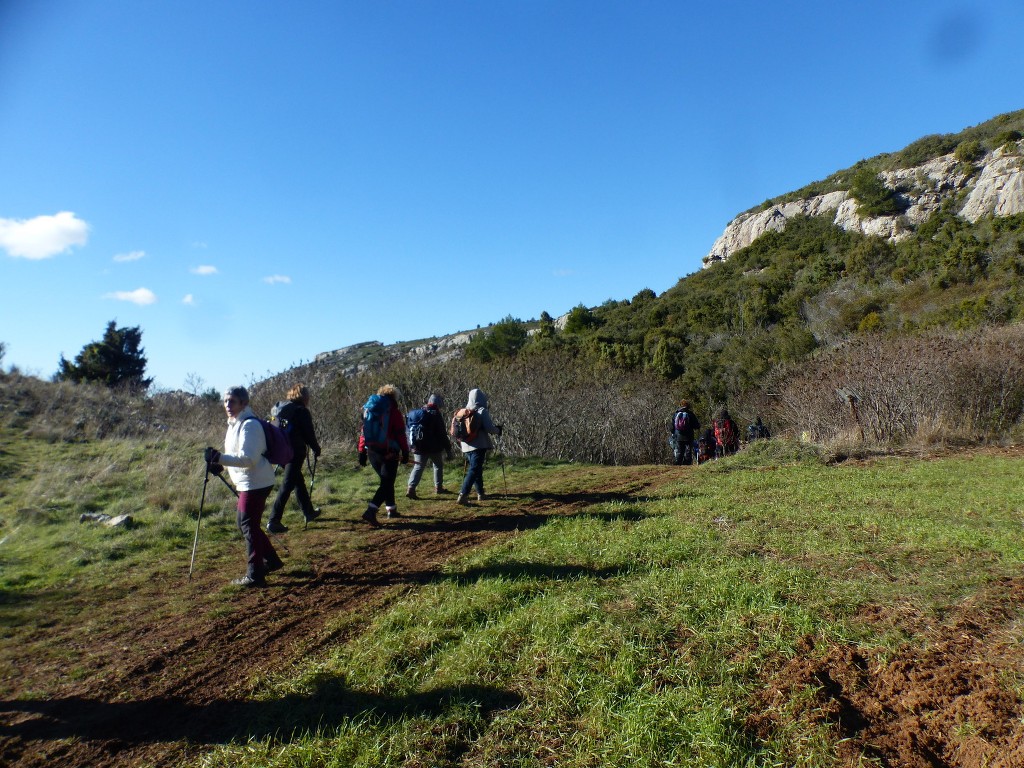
891 390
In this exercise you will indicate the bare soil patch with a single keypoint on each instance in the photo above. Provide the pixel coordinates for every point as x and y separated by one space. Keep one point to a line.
161 688
950 702
165 686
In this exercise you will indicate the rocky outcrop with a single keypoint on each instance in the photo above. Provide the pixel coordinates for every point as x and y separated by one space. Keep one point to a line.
996 187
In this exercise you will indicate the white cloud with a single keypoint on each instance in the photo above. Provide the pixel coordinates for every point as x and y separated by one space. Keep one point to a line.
271 279
205 269
43 236
563 272
189 299
139 296
130 256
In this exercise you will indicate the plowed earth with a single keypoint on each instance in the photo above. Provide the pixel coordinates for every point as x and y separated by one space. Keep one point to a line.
164 686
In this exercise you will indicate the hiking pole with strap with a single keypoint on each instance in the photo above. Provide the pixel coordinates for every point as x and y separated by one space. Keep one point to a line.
199 517
312 479
502 459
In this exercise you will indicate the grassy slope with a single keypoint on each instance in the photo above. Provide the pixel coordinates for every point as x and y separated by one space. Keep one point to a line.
631 631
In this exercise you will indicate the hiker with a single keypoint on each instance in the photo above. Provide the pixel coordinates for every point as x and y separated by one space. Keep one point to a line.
757 431
474 442
683 428
381 441
293 417
707 446
727 436
429 442
253 476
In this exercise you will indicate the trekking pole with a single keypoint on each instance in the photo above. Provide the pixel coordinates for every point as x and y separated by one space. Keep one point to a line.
312 479
502 459
199 517
230 487
312 472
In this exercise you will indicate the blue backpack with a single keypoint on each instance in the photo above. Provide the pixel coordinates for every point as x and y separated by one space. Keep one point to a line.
376 415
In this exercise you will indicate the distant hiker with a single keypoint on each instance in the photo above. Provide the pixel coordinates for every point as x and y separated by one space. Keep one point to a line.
757 431
707 446
382 441
682 431
472 427
293 416
429 442
727 435
253 476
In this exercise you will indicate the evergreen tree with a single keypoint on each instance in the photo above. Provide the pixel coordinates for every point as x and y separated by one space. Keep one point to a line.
117 360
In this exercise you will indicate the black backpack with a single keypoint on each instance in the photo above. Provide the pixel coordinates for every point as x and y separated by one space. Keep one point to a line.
424 427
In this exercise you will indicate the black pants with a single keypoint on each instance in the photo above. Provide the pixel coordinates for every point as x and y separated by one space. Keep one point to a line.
387 469
292 481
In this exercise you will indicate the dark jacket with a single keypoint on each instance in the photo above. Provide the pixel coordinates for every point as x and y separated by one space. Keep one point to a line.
435 436
299 427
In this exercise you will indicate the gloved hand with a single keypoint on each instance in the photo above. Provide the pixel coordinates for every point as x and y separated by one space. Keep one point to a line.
500 429
212 455
216 468
362 458
316 453
405 457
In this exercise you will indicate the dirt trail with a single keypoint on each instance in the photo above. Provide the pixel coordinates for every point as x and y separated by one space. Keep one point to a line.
161 689
165 687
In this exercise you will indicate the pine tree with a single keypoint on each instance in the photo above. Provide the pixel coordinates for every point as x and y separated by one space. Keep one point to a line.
117 360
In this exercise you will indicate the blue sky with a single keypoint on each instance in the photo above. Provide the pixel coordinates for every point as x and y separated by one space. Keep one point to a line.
256 182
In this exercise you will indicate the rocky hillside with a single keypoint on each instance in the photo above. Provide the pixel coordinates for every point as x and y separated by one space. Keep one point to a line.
994 186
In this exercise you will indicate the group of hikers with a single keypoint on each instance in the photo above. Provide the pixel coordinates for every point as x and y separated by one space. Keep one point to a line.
722 438
386 439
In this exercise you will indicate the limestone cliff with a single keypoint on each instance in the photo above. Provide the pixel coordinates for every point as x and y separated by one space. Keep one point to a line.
993 186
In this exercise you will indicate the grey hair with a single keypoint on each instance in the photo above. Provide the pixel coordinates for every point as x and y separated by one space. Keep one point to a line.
241 393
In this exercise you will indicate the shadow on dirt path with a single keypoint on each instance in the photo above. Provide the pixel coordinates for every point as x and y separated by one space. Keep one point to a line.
160 691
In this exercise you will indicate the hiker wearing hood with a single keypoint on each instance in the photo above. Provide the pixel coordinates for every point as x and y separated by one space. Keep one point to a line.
382 441
475 441
429 443
253 476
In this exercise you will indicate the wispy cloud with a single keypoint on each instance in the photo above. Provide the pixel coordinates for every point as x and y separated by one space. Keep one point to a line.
204 269
199 244
563 272
43 236
140 296
189 299
271 279
130 256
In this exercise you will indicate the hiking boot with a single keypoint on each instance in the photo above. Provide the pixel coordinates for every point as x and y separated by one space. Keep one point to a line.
411 493
480 497
393 512
273 565
313 515
462 500
439 489
248 582
370 516
275 526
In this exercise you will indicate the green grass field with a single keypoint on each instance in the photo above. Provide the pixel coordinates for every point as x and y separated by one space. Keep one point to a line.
634 630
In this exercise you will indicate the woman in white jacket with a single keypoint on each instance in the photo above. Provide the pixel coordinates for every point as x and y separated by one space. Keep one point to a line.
253 476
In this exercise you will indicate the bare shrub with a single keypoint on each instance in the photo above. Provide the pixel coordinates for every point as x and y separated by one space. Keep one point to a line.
549 406
929 388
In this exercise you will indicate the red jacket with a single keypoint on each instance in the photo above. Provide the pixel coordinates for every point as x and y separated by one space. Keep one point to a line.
396 432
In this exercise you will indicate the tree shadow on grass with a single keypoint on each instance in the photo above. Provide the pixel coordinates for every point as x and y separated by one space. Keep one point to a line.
161 720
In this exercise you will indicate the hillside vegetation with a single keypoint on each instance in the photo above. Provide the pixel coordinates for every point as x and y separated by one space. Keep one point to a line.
824 333
766 609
